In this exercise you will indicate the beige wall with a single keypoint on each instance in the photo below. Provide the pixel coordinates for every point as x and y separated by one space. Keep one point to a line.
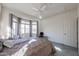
61 28
5 28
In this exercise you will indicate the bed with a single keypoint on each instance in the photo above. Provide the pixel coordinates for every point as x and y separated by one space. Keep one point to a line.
33 47
40 47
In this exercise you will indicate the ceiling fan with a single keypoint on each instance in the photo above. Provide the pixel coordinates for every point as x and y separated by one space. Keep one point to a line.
40 9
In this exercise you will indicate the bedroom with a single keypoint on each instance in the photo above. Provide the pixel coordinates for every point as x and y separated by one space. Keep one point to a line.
58 21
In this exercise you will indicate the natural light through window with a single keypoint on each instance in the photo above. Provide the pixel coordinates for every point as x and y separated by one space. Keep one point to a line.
58 49
33 40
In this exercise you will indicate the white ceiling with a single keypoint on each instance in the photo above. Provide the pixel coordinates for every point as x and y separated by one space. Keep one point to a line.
41 9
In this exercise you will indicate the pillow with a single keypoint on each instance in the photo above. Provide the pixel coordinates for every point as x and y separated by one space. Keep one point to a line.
9 43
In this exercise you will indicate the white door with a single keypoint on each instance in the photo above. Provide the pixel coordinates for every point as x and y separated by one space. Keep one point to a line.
70 32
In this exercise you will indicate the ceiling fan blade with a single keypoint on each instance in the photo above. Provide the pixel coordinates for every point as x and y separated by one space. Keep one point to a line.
43 7
35 9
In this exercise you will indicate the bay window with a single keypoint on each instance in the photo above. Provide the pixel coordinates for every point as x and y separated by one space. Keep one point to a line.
23 27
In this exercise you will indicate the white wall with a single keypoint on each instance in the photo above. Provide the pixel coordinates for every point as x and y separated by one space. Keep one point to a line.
61 28
5 25
0 17
0 11
78 26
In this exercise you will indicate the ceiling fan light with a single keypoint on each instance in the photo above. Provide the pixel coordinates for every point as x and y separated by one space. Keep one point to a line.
40 17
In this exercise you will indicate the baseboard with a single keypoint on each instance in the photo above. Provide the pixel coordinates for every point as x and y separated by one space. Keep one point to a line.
65 45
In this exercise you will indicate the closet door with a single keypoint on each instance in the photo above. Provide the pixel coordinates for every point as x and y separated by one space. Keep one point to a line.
70 31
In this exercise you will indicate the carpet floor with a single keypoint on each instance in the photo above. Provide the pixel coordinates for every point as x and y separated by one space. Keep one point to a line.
63 50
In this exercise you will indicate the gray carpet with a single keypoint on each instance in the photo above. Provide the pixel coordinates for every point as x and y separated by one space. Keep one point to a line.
63 50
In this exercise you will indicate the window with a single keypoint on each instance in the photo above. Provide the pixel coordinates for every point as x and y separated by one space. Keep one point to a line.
34 28
23 27
14 26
